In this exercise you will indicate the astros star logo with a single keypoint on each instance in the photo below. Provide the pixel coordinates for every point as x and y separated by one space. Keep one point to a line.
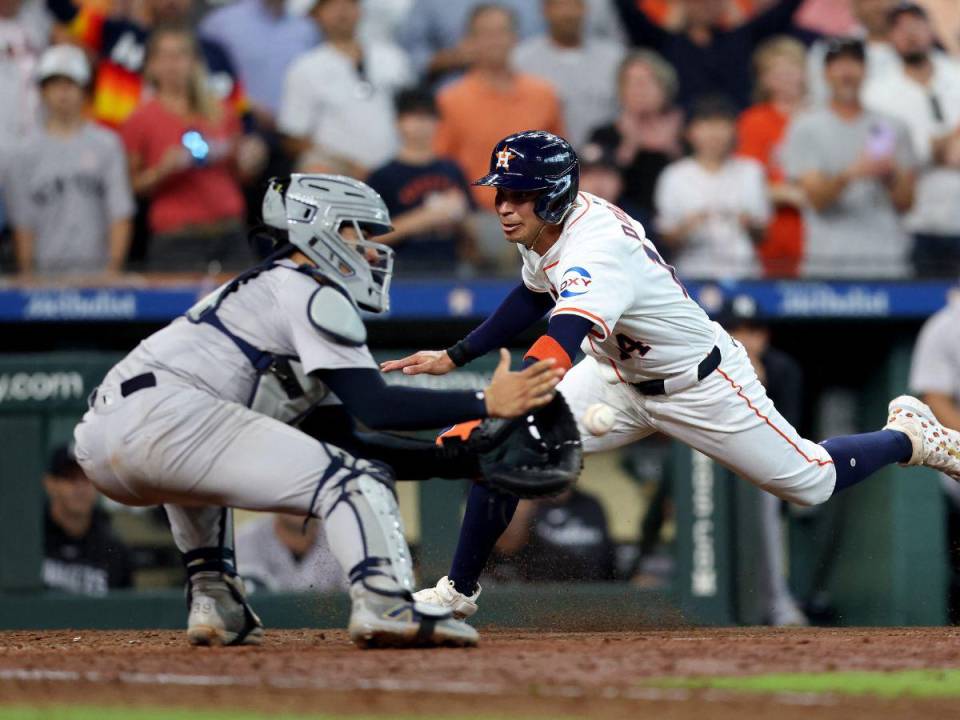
503 159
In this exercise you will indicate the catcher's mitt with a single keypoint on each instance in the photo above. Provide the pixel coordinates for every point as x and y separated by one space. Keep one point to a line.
536 455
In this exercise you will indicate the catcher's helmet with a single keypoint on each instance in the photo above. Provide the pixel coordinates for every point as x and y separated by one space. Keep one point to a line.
314 209
537 160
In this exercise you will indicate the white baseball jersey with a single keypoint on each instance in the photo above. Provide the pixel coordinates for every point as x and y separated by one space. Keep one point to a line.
645 326
604 268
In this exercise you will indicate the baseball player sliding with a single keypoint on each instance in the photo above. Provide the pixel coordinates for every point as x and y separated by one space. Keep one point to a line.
651 354
170 423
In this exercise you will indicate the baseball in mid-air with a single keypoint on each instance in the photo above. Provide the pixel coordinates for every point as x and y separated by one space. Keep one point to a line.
598 419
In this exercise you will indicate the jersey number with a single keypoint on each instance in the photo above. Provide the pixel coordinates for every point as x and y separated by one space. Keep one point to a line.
628 346
628 230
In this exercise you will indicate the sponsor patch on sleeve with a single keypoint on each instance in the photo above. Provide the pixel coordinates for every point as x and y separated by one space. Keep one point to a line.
575 281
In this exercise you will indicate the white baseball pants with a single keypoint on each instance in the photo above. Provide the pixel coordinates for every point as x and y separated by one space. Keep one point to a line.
727 416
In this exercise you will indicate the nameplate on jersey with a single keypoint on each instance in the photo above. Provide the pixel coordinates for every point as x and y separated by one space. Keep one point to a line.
332 313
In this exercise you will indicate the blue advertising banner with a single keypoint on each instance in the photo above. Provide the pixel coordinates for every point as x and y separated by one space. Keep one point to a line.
444 299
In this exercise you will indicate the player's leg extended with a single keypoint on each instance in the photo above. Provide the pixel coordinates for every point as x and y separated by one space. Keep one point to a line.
198 451
412 459
729 417
488 512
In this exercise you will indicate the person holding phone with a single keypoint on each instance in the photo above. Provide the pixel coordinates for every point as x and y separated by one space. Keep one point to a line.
856 168
186 152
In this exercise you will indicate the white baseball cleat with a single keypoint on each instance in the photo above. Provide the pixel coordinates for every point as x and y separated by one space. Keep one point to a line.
445 595
219 612
382 622
934 445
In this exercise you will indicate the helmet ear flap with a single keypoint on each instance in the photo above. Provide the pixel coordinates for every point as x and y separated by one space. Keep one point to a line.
553 204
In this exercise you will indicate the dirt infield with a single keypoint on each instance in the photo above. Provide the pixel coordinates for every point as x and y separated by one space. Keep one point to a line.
512 674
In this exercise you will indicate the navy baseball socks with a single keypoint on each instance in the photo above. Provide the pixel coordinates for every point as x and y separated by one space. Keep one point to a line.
487 515
912 436
855 457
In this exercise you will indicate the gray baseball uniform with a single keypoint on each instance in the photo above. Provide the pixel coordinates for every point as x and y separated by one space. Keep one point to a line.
189 440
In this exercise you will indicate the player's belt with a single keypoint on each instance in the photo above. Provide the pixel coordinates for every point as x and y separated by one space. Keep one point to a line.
138 382
129 387
683 381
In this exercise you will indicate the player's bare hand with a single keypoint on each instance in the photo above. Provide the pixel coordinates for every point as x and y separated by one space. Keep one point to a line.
431 362
510 394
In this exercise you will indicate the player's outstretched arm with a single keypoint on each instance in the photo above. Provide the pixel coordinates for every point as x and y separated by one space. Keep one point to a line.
392 407
431 362
518 311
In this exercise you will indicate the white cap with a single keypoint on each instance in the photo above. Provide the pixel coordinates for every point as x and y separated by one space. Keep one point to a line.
67 61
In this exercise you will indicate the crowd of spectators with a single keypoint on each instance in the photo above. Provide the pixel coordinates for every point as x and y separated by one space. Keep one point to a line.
753 138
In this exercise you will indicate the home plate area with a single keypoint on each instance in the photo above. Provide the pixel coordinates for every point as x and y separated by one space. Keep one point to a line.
695 673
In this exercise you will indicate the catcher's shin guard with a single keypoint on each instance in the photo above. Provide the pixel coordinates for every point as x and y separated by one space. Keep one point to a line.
357 502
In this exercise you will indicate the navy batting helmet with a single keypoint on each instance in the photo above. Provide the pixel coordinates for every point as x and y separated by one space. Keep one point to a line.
537 160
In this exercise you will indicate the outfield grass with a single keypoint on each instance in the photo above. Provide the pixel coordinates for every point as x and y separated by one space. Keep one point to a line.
912 683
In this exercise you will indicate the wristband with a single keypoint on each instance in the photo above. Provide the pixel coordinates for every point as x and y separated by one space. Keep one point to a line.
459 353
547 347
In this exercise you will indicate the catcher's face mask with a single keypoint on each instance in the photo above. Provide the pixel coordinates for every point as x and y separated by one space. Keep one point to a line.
331 219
